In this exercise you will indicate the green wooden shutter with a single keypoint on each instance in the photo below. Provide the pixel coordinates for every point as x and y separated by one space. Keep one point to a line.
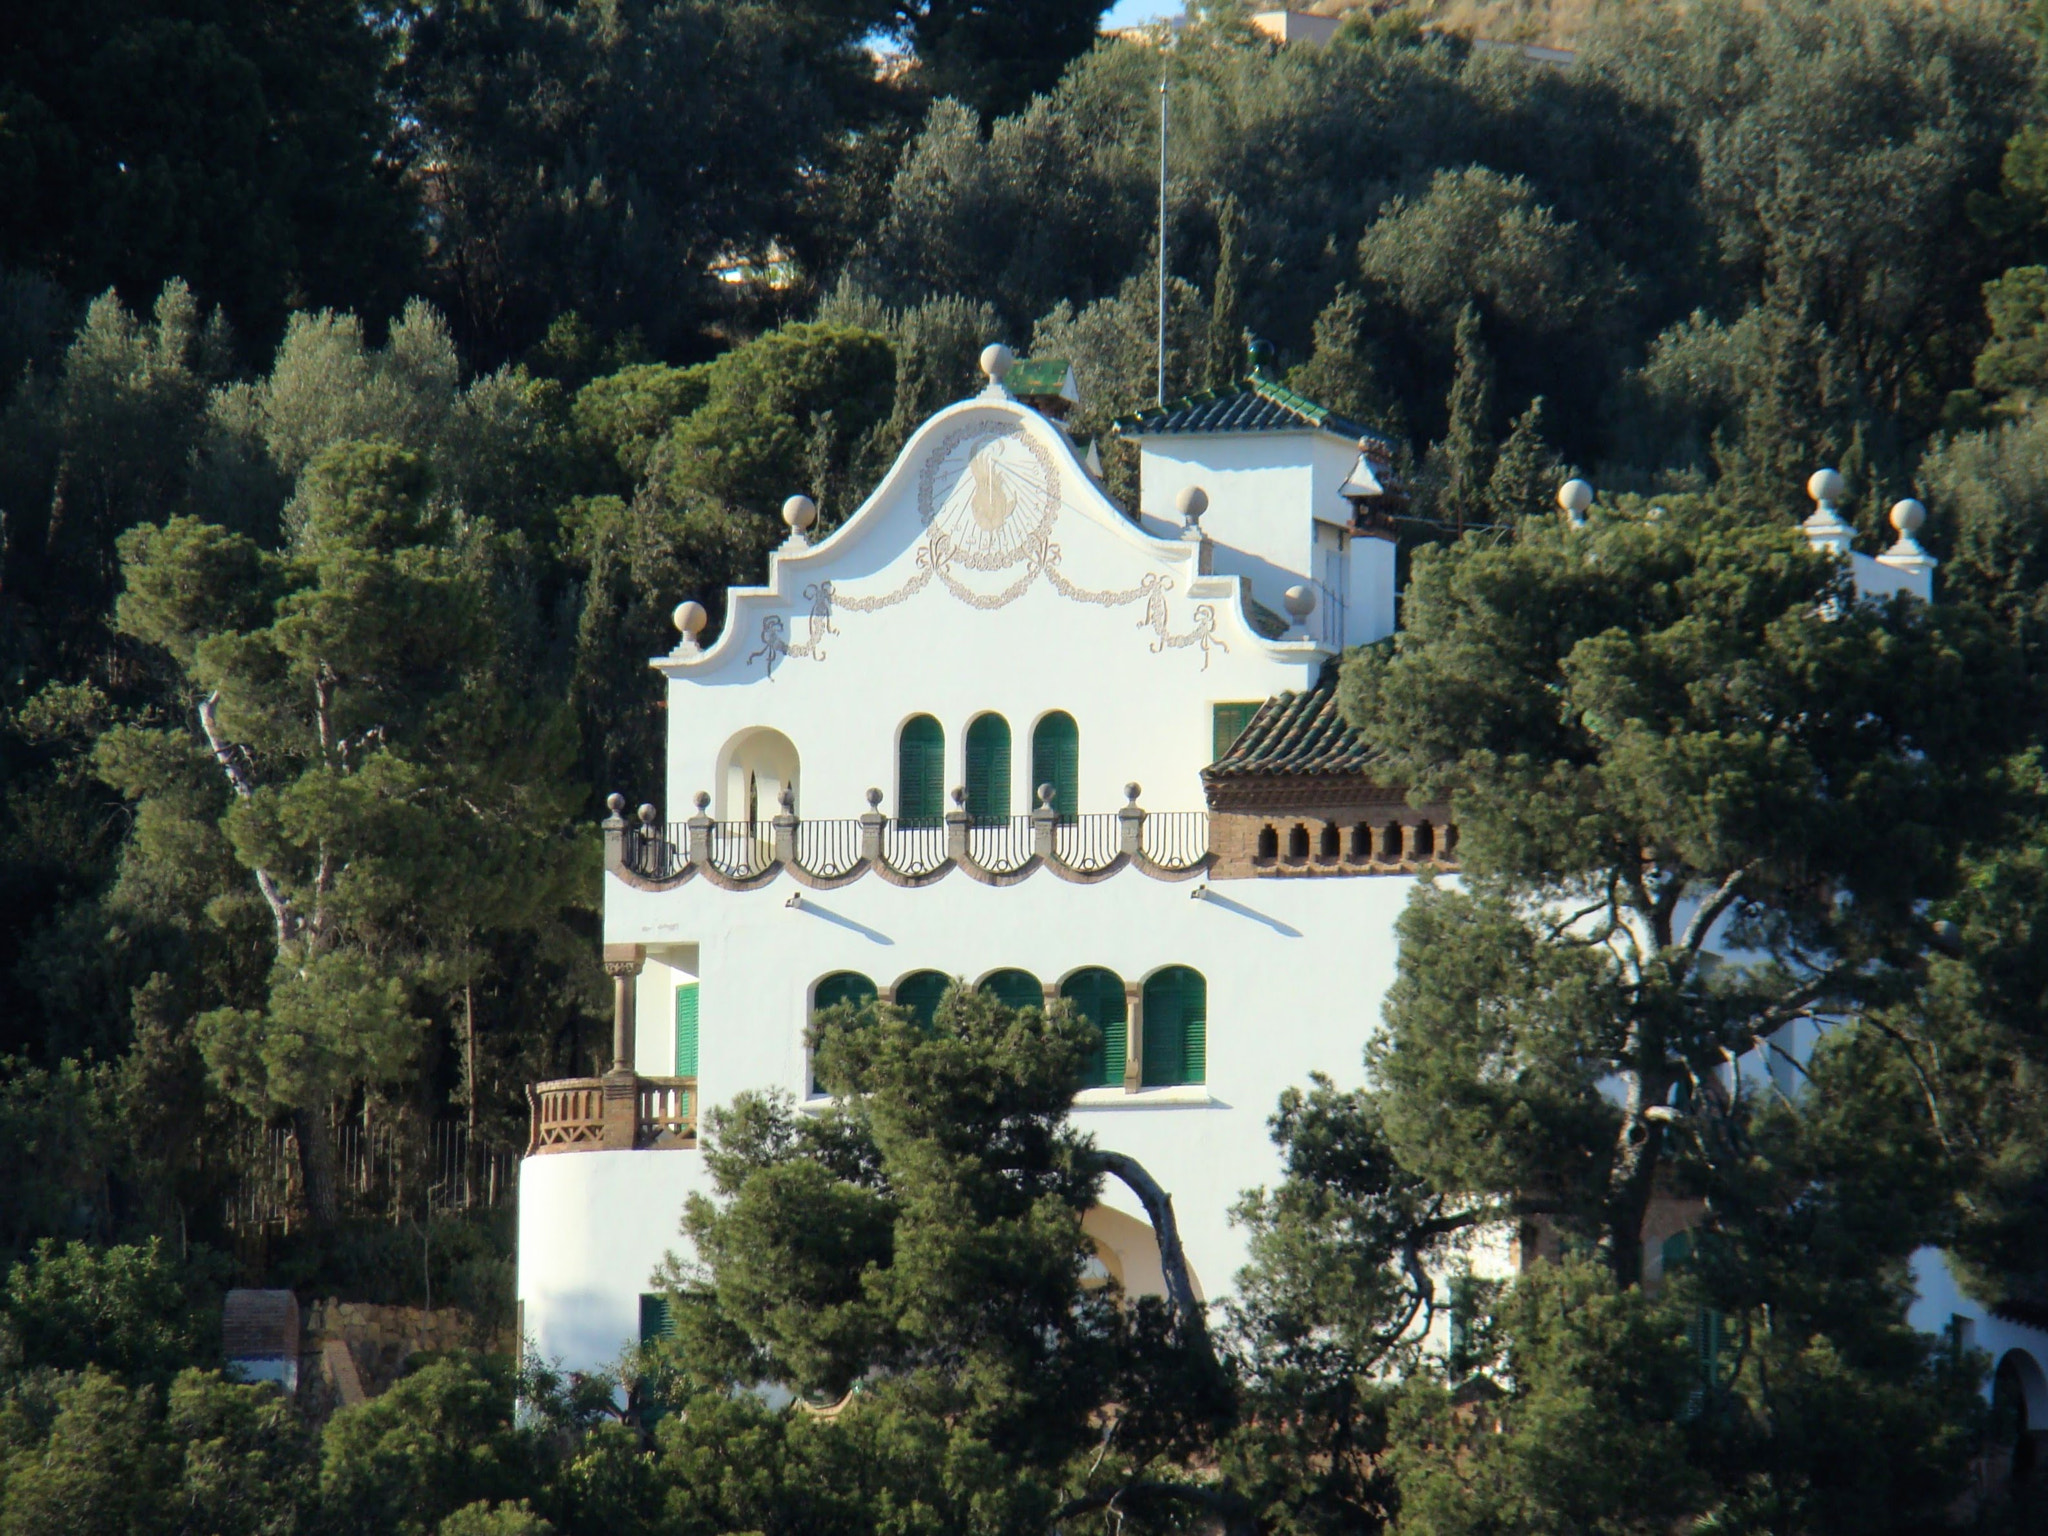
988 769
1176 1028
1056 760
686 1029
1098 996
1015 989
842 987
1229 721
655 1321
918 995
921 772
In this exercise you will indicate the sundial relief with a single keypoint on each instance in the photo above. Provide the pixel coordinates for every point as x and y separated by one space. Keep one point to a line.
988 495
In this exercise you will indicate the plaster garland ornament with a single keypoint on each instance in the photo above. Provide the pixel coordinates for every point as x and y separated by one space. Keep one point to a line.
988 496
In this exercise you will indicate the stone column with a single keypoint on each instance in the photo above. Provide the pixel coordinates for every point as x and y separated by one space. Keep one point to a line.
871 828
1043 820
1131 825
1134 1037
623 963
784 826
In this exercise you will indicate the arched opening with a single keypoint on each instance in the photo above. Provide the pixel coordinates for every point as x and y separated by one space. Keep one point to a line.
921 772
2019 1412
840 987
1176 1047
1014 988
1129 1250
1056 760
988 770
754 767
1361 840
1425 841
1269 842
1297 841
918 996
1329 843
1390 843
1098 996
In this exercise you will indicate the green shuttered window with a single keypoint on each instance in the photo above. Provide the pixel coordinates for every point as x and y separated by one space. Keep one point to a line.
842 987
921 772
918 995
1015 989
1230 721
988 769
1098 996
1056 760
686 1029
1176 1028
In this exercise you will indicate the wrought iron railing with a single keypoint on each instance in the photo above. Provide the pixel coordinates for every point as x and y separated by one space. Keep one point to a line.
913 848
1088 843
1177 839
655 851
1000 847
741 848
828 849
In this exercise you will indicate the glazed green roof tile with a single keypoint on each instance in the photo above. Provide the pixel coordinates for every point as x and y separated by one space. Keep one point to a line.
1261 404
1296 733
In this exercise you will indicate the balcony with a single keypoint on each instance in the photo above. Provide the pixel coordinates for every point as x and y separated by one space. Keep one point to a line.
619 1112
656 855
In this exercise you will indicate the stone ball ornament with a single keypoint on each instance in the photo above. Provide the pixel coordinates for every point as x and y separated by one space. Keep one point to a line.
1191 501
1908 517
1826 486
690 618
996 360
1574 497
1300 602
800 513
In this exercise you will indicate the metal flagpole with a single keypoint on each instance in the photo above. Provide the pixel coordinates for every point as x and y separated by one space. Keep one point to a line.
1162 242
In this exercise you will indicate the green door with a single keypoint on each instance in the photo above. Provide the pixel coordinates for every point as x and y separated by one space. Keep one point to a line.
686 1029
1056 760
1015 989
1176 1028
988 770
921 772
1098 996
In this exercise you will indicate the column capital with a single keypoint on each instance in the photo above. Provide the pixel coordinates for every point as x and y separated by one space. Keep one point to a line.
624 959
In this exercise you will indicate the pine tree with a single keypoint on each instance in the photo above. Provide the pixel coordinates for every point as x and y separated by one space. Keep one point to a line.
1526 475
1225 363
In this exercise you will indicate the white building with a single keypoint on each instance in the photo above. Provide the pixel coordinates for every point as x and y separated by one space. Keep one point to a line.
993 728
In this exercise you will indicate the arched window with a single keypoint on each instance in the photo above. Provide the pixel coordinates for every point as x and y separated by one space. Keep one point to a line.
1098 996
988 770
1297 841
1015 989
1176 1027
842 987
1425 841
921 772
1329 843
918 995
1361 841
1269 842
755 766
1056 760
1390 843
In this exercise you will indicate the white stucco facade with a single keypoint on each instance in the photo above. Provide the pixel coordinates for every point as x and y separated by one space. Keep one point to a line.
988 574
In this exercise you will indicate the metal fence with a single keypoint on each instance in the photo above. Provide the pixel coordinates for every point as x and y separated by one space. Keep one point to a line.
1177 839
388 1170
828 849
1000 847
1089 842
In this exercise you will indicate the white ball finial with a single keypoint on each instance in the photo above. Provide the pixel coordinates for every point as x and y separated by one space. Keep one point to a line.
1191 501
1826 486
690 618
1908 517
996 360
1300 602
1574 496
799 512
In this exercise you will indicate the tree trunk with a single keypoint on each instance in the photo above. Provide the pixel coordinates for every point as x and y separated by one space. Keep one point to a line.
317 1168
1173 1263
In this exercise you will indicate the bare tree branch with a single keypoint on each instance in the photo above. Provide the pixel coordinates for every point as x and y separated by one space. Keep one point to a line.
1173 1264
228 755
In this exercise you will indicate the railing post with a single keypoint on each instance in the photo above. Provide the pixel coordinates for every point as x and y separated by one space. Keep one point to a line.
956 827
623 963
871 828
785 826
615 832
699 832
1132 824
1043 820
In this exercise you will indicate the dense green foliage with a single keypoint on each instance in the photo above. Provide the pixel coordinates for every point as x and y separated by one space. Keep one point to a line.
375 379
